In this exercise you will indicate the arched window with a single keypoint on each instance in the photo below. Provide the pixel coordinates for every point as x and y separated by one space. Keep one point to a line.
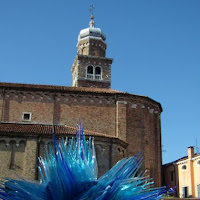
94 72
90 72
98 73
97 70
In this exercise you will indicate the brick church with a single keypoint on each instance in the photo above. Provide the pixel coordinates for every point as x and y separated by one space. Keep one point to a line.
123 124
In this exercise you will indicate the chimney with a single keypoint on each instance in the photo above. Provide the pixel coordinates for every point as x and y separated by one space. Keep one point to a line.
190 152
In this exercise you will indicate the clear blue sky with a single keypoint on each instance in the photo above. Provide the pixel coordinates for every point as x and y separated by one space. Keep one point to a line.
155 45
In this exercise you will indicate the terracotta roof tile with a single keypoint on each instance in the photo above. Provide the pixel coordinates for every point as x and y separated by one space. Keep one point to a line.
55 88
37 129
58 88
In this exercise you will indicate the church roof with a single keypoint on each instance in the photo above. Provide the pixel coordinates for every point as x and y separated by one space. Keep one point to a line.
43 129
55 88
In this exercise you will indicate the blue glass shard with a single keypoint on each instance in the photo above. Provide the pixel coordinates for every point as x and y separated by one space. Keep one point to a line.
69 171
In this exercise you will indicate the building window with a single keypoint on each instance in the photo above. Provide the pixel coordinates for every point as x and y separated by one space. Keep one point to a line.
26 116
198 163
172 176
98 73
198 190
94 74
185 192
90 72
184 167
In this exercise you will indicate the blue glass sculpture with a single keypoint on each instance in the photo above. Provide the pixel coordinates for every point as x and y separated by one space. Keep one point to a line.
69 172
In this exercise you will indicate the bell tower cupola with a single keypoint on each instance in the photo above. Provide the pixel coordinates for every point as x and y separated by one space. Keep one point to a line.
91 68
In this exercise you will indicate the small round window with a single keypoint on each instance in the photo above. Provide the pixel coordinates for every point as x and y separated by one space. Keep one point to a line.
198 163
184 167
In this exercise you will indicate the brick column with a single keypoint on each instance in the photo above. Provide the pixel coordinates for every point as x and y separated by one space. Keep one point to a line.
113 155
121 120
6 109
30 159
56 112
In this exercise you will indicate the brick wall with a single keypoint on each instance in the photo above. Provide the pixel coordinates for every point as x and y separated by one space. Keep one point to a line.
41 111
121 120
94 61
88 83
98 119
143 135
12 154
5 156
1 107
137 121
30 159
92 47
79 70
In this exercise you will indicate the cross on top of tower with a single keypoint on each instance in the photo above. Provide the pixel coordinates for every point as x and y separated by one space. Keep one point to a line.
91 9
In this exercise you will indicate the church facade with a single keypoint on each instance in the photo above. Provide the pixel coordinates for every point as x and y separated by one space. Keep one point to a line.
123 124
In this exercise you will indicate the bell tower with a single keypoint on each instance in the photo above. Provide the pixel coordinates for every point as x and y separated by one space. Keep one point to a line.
91 68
